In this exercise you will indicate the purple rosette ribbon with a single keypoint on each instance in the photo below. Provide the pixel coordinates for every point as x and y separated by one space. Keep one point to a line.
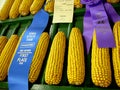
96 19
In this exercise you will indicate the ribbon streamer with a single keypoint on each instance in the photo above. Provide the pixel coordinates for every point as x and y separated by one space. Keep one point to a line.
105 38
88 26
113 15
19 68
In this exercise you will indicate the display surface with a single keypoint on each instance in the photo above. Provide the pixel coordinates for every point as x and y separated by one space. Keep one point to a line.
18 25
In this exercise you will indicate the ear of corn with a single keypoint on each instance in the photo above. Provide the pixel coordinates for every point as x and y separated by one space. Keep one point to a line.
16 48
14 11
77 4
49 6
113 1
54 67
39 56
5 7
25 7
6 56
116 53
100 65
36 6
76 64
3 41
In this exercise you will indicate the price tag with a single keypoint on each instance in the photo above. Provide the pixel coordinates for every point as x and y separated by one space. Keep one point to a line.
63 11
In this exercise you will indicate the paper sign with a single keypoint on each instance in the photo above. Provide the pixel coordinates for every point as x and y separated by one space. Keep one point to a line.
63 11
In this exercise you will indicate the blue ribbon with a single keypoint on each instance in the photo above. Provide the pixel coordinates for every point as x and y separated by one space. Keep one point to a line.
19 69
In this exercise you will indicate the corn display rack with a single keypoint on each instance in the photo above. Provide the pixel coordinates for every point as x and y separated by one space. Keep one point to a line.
18 25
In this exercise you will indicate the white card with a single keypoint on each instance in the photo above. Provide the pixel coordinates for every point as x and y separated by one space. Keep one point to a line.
63 11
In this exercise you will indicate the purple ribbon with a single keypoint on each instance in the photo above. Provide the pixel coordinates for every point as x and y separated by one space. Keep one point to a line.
88 26
96 17
113 15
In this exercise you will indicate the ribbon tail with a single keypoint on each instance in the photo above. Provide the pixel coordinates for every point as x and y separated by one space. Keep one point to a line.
19 69
104 35
112 14
88 29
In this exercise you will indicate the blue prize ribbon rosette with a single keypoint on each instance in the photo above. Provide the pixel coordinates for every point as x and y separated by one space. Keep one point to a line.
20 65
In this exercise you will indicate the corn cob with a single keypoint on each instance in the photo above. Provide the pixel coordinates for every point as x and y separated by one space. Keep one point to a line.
54 67
6 56
39 56
5 6
100 65
36 6
116 53
24 8
76 64
49 6
77 4
3 41
16 49
113 1
14 11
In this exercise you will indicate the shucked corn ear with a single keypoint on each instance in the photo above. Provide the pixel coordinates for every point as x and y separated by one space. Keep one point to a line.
6 56
16 49
113 1
14 11
39 56
76 64
49 6
5 6
3 41
116 53
25 7
54 67
36 6
77 4
100 65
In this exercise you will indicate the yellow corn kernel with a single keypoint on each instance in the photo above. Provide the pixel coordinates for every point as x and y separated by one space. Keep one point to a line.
54 67
24 8
49 6
77 4
6 56
100 65
39 56
36 6
5 6
116 53
14 11
113 1
76 64
3 41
